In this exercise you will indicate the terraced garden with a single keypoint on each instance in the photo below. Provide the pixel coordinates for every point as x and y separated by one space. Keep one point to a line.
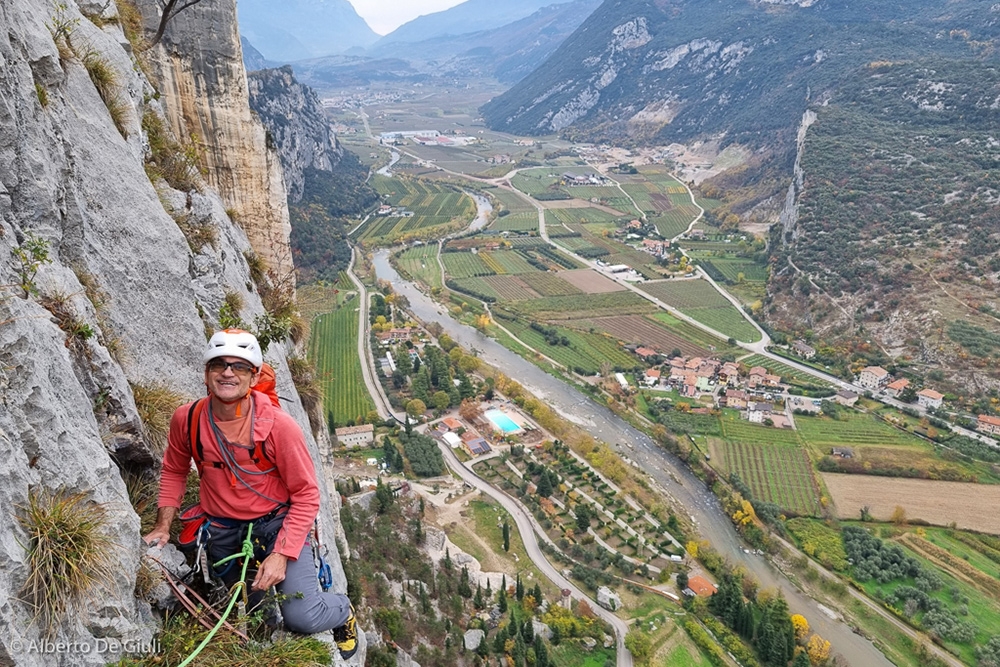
700 300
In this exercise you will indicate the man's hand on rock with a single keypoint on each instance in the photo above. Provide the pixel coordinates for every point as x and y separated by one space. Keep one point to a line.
271 572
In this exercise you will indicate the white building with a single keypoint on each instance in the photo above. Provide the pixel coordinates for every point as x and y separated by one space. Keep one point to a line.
355 436
622 381
452 439
873 377
929 399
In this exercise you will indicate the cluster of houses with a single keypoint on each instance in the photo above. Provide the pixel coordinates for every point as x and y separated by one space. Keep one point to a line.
877 379
753 394
572 178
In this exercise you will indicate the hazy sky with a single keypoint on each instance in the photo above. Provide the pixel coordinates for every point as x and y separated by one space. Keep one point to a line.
384 16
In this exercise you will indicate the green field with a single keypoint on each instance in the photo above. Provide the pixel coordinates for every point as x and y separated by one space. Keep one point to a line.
584 305
787 373
421 263
512 201
852 429
695 335
334 352
433 206
777 472
578 215
516 222
506 261
465 265
585 352
700 300
730 270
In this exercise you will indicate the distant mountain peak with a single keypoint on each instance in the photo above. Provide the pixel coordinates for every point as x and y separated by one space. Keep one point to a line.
300 29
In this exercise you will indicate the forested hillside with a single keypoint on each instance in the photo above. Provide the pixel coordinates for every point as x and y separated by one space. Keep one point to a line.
898 221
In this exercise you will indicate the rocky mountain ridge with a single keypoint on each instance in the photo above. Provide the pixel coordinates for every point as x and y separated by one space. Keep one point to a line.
110 277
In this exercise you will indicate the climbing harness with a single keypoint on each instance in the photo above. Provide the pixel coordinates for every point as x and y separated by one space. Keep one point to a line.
240 587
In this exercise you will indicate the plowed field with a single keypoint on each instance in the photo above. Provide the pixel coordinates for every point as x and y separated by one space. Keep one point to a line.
642 331
590 281
970 506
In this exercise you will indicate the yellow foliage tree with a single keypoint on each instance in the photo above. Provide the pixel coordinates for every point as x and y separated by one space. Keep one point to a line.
745 514
818 650
801 626
692 548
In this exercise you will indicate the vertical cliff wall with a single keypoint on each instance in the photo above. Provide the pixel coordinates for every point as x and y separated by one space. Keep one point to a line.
198 69
137 271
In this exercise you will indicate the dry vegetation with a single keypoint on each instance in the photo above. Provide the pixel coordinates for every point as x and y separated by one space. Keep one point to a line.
969 506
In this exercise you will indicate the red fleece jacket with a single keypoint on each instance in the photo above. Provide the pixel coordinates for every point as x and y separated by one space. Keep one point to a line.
295 483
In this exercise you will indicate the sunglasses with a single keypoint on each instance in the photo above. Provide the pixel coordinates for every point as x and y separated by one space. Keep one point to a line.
239 367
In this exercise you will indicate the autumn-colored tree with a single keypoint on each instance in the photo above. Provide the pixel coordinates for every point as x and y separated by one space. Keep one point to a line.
469 410
416 407
898 516
818 650
801 626
745 514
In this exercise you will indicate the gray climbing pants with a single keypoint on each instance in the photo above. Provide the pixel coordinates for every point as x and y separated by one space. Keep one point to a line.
305 607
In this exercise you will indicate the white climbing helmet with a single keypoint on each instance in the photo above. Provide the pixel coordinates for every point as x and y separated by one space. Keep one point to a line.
235 343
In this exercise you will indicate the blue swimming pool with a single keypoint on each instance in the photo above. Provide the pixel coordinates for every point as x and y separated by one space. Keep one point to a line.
502 421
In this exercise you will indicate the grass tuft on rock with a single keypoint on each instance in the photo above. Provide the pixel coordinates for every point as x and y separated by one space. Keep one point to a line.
68 553
156 403
181 635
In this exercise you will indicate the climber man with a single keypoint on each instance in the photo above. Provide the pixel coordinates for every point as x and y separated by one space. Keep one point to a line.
253 466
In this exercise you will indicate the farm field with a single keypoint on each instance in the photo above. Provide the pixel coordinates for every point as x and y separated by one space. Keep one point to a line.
433 205
585 352
786 372
728 270
516 222
510 288
578 215
591 281
699 300
465 265
333 350
421 263
506 261
644 331
969 506
675 221
852 429
776 473
512 201
547 284
694 334
583 306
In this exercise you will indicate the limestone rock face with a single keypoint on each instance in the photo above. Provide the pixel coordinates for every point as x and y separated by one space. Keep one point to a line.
294 117
198 67
123 304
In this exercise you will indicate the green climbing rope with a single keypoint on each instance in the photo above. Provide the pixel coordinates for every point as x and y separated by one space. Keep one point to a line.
239 587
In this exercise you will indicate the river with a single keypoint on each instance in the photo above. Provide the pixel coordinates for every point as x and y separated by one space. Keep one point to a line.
688 491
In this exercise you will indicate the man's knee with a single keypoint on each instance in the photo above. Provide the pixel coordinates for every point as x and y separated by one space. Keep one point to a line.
306 615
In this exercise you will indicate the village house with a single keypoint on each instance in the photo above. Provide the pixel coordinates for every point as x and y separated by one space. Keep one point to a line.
653 246
895 388
394 335
355 436
646 352
758 412
634 224
772 380
736 399
988 424
652 377
699 586
929 399
693 364
844 397
729 373
803 350
873 377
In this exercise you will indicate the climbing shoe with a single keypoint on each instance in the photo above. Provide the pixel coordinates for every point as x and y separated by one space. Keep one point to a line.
346 637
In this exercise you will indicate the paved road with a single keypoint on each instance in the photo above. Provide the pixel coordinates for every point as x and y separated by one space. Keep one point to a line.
368 368
527 526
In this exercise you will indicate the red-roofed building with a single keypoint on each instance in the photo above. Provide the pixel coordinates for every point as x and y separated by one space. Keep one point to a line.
452 423
653 376
645 352
894 389
873 377
700 586
988 424
758 371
